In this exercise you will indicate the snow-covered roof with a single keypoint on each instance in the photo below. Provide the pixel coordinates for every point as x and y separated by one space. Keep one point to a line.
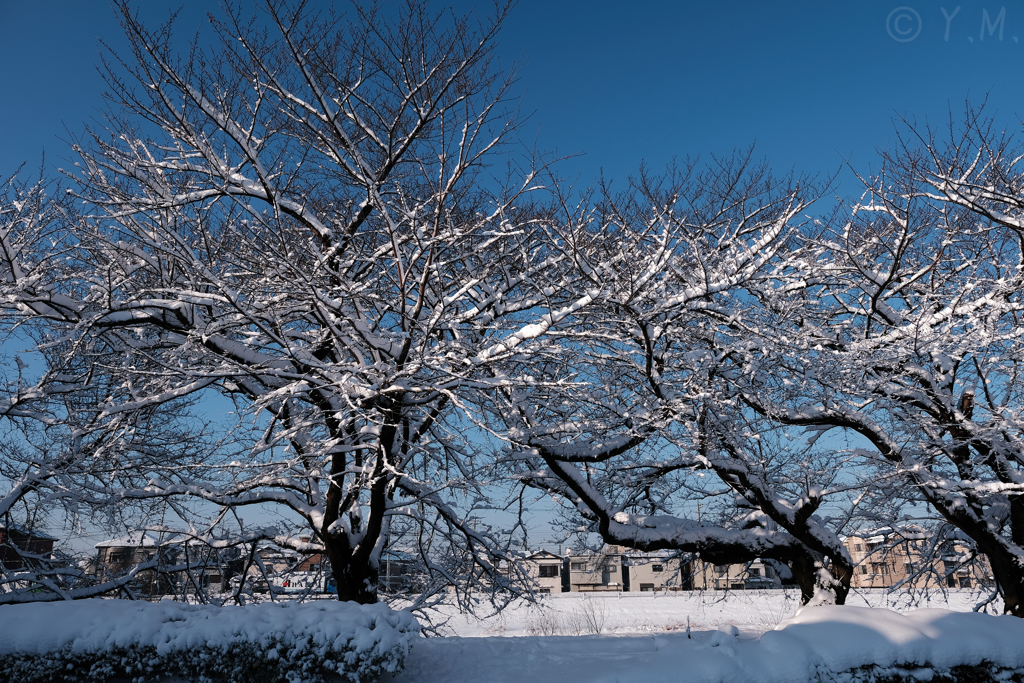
33 534
397 555
141 539
543 554
880 534
650 554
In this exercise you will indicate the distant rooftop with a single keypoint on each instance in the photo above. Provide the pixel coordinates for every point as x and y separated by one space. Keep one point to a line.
27 532
141 539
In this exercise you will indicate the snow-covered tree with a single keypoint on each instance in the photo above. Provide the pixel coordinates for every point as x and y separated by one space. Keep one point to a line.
306 220
628 417
62 461
904 326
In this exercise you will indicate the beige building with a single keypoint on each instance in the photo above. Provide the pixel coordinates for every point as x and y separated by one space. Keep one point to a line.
544 571
615 568
117 556
654 572
600 571
750 576
886 557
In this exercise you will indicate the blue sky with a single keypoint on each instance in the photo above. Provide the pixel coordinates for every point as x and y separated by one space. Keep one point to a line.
811 83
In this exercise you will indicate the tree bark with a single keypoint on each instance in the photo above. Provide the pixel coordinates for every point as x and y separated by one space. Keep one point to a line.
807 571
1009 575
355 579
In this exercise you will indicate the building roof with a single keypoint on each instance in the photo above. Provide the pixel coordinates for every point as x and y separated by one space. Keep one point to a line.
398 555
653 555
543 555
880 534
30 533
142 539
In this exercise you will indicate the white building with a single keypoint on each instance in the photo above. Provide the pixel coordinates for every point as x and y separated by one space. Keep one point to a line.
544 571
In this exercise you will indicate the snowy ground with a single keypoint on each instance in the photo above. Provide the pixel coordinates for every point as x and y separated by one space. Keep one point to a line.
810 647
686 637
752 612
644 639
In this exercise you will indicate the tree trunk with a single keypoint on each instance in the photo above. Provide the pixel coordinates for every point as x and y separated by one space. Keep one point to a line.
356 582
355 578
816 582
804 573
1009 575
1007 565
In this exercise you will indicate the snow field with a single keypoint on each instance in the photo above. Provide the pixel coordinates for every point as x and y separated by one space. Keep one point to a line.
851 644
747 637
753 612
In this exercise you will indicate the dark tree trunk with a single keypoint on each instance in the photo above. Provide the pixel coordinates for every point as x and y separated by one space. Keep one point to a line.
355 579
357 583
843 574
1009 575
1007 566
806 573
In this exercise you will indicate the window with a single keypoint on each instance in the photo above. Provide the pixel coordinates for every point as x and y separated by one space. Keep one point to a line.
548 570
754 572
863 569
858 547
578 566
657 568
646 587
612 569
544 590
908 568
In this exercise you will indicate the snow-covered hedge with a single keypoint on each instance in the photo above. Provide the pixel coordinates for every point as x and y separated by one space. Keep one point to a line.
876 645
94 640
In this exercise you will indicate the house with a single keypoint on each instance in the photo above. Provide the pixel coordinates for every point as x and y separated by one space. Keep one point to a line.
648 572
20 548
310 563
116 556
544 571
753 575
209 568
615 568
600 571
888 556
401 571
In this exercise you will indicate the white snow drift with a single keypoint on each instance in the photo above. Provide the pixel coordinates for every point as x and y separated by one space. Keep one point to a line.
821 643
96 639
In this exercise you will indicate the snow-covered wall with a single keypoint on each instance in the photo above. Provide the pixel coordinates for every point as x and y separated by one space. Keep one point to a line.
91 640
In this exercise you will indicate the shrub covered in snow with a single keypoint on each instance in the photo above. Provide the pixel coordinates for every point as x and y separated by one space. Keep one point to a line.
864 645
93 640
